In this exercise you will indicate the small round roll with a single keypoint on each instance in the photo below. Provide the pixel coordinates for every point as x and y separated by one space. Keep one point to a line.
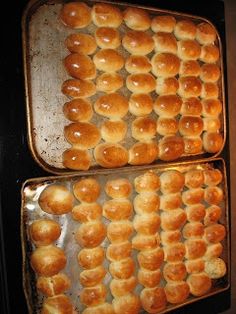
171 147
199 284
195 265
190 86
56 200
189 68
167 105
57 304
107 37
174 271
210 73
104 14
194 178
80 66
170 201
188 49
192 145
209 53
153 300
205 34
78 110
149 279
141 82
86 212
173 219
117 209
92 296
76 159
108 60
90 234
137 64
143 128
78 88
170 237
165 42
165 64
151 259
210 91
167 86
81 43
140 104
110 155
87 190
143 153
138 43
121 287
145 242
211 124
104 308
213 250
146 203
118 188
193 196
185 29
215 233
122 269
129 304
50 286
112 106
147 224
109 82
195 248
147 182
163 23
48 260
215 268
75 15
191 107
167 126
137 19
212 142
92 277
119 231
177 292
195 212
193 230
212 177
118 251
113 131
91 258
211 107
190 126
213 214
174 252
44 231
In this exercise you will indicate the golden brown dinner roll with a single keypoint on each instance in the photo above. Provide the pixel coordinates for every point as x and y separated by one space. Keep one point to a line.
128 304
107 37
195 212
210 90
167 126
147 182
191 106
48 260
190 126
195 266
78 110
110 155
86 212
165 64
78 88
80 66
170 201
166 85
109 82
76 159
119 231
149 279
215 233
174 252
193 196
91 258
177 292
194 178
146 203
188 49
185 29
210 73
108 60
174 271
118 188
92 277
195 248
210 53
75 14
189 68
199 284
57 304
118 251
151 259
90 234
143 82
138 43
213 195
81 43
193 230
137 64
44 231
171 147
104 14
165 42
50 286
113 131
213 250
104 308
213 214
91 296
143 153
112 105
86 190
192 145
122 269
206 34
170 237
140 104
117 209
153 300
189 86
215 268
167 105
56 199
142 242
143 128
211 124
173 219
83 135
136 18
121 287
147 224
212 177
163 23
212 142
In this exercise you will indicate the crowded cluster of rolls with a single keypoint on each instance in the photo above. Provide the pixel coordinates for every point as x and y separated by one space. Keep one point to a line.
156 238
143 87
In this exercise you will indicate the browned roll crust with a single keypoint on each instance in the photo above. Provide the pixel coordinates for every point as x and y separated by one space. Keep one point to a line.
195 212
174 252
174 271
57 304
193 230
195 248
199 284
56 200
211 107
90 234
167 105
92 277
165 42
206 34
144 242
191 106
118 251
165 64
213 214
50 286
122 269
151 259
81 43
86 212
163 23
121 287
78 110
143 128
80 66
190 86
110 155
188 49
111 105
212 142
212 177
128 304
147 182
166 85
87 190
173 219
113 131
137 64
153 300
213 195
92 296
48 260
190 125
194 178
107 37
138 43
215 233
192 145
210 90
171 147
215 268
91 258
143 153
177 292
119 231
109 82
140 104
141 82
210 73
75 15
213 250
104 308
149 279
117 209
195 265
170 237
147 224
108 60
44 231
146 203
211 124
167 126
104 14
210 53
189 68
118 188
76 159
136 18
193 196
170 201
78 88
185 29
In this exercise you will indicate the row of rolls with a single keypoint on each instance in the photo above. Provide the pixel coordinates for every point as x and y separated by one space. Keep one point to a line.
142 243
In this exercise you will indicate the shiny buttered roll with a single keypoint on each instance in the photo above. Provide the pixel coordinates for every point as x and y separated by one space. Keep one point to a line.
137 19
165 42
148 278
174 271
185 29
142 242
189 68
188 49
107 15
170 201
75 15
194 178
109 82
56 199
190 86
167 126
143 153
195 266
170 237
86 212
210 90
166 86
215 268
112 106
57 304
211 124
211 108
193 196
76 159
190 126
212 177
44 231
199 284
151 259
78 110
210 73
92 296
91 258
80 66
110 155
167 105
113 131
119 231
153 300
163 23
147 224
108 60
195 248
213 250
129 304
50 286
121 287
173 219
81 43
123 269
195 212
212 142
174 252
177 292
104 308
78 88
213 214
193 230
87 190
165 64
137 64
117 209
191 107
92 277
146 203
206 34
143 82
171 147
215 233
48 260
143 128
90 234
147 182
118 188
107 37
193 145
138 43
209 53
140 104
83 135
118 251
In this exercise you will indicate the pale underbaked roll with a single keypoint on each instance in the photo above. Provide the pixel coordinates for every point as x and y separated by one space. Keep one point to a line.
170 237
188 49
118 251
108 60
165 42
195 248
91 258
149 278
211 107
212 142
92 296
165 64
138 64
80 66
192 145
83 135
107 37
122 269
118 188
111 105
195 265
193 230
81 43
117 209
56 199
57 304
78 88
210 53
167 105
113 131
141 82
136 18
212 177
191 107
194 178
44 231
163 23
211 124
147 224
170 201
119 231
167 126
140 104
92 277
199 283
190 86
147 182
48 260
153 299
215 268
121 287
110 155
213 250
90 234
75 15
173 219
174 252
109 82
171 147
174 271
213 214
78 110
143 153
210 73
193 196
129 304
190 126
104 14
146 203
144 242
85 212
151 259
166 86
76 159
138 42
185 29
189 68
86 190
195 212
104 308
177 292
210 90
205 34
143 128
215 233
54 285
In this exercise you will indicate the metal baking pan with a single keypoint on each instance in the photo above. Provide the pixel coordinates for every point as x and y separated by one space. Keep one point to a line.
30 211
43 47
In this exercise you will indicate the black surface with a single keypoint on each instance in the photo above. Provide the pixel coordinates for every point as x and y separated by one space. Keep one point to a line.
17 165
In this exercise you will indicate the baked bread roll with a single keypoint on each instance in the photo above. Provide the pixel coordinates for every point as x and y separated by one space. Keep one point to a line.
212 142
143 128
147 182
91 258
215 233
118 188
167 105
170 201
138 43
190 86
80 66
191 107
193 230
163 23
107 37
174 271
57 304
190 126
108 60
194 178
48 260
81 43
112 106
90 234
189 68
122 269
205 34
209 53
92 277
104 14
212 177
143 82
165 64
213 214
211 124
174 252
122 287
86 212
78 88
78 110
166 86
192 145
177 292
113 131
149 279
136 18
167 126
137 64
118 251
119 231
195 212
195 248
87 190
92 296
193 196
129 304
210 90
76 159
56 200
195 265
143 153
210 73
199 284
211 107
75 15
140 104
109 82
144 242
110 155
213 250
188 49
165 42
170 237
146 203
171 147
147 224
151 259
173 219
185 29
117 209
153 300
50 286
215 268
104 308
44 231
